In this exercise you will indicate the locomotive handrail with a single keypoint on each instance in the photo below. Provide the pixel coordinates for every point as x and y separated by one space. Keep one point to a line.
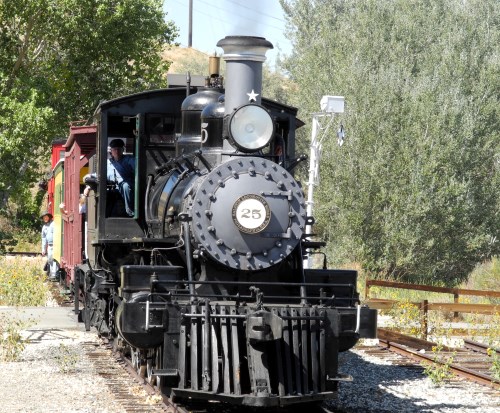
284 297
147 211
239 297
250 283
199 155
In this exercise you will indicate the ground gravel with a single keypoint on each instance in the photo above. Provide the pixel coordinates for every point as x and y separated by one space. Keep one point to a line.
55 374
380 386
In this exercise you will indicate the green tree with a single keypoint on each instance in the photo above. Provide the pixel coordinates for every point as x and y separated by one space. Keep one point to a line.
58 60
413 193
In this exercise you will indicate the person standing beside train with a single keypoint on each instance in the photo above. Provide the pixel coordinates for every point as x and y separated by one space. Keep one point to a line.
121 172
48 244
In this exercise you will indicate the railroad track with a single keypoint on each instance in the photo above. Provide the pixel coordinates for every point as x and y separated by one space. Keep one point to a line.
136 394
132 392
471 361
22 254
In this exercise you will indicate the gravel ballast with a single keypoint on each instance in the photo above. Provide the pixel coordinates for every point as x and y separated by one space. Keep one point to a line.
55 374
379 386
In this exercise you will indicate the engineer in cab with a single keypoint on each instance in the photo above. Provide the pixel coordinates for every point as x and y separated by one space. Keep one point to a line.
121 172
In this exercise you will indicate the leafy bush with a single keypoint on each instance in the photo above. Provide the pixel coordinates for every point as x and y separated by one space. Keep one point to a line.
12 342
15 236
67 358
495 364
440 370
486 276
7 242
22 283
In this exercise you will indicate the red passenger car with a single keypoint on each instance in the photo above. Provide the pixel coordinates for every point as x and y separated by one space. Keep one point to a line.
56 158
79 147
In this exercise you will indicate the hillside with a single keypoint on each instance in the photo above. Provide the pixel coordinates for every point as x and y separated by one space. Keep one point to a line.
184 59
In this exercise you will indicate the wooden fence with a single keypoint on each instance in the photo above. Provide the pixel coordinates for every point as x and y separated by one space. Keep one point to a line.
425 306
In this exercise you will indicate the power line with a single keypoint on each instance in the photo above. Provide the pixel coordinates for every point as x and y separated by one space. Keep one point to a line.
239 15
256 11
203 13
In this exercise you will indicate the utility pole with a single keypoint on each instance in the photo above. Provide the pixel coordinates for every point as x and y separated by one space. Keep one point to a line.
190 35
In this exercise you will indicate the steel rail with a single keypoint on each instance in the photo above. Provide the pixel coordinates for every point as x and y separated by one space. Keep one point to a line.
168 405
479 347
455 368
21 254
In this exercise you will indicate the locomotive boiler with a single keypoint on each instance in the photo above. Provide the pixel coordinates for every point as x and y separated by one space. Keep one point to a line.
205 285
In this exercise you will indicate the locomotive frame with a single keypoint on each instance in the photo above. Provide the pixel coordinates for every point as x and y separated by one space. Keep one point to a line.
204 286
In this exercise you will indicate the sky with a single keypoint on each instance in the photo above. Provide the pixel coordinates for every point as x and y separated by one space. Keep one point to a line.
215 19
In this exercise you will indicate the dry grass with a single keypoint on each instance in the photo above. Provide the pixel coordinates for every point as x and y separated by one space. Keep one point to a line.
22 282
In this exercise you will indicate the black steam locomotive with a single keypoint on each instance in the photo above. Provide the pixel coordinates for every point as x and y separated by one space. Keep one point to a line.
205 285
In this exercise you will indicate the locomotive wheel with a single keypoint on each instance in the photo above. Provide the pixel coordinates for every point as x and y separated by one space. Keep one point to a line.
134 356
150 366
86 317
86 311
154 363
159 365
137 362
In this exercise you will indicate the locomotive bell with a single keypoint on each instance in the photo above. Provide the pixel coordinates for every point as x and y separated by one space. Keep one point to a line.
214 66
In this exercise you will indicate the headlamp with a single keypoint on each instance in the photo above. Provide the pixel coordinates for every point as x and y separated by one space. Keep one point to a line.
251 127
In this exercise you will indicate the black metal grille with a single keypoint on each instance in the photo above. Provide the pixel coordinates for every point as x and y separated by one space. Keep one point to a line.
216 356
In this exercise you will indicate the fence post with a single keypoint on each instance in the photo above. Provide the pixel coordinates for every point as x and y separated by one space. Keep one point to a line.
424 308
455 300
367 289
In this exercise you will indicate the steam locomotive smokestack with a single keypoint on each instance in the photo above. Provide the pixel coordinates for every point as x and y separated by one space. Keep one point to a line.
244 56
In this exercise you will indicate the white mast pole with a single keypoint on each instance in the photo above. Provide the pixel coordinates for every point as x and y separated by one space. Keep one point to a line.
329 106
